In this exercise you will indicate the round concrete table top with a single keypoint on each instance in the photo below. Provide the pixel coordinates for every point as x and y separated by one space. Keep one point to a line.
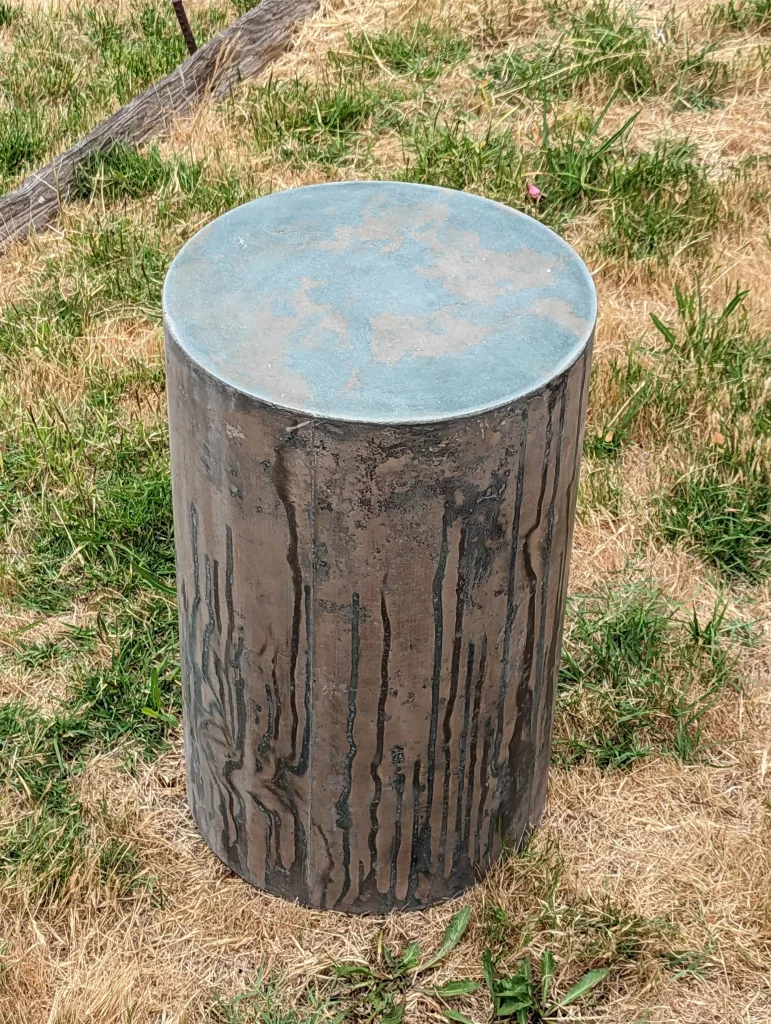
379 302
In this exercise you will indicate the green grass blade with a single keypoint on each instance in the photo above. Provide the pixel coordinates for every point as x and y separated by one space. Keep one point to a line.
488 969
459 1018
394 1015
410 958
547 974
665 331
586 984
453 934
461 987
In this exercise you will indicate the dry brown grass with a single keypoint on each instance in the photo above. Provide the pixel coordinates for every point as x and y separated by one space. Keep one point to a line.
42 687
685 844
109 345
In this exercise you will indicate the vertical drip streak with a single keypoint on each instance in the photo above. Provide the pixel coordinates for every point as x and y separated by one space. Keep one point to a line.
457 647
511 605
343 819
377 758
420 859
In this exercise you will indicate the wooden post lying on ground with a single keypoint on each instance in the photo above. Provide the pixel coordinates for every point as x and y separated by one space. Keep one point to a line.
235 54
376 396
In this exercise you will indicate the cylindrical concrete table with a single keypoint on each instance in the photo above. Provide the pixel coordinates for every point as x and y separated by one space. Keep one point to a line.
376 398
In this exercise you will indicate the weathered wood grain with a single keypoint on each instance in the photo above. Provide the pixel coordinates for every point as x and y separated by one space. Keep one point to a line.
239 52
371 625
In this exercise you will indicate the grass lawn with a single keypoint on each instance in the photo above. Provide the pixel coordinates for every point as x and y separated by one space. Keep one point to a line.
647 129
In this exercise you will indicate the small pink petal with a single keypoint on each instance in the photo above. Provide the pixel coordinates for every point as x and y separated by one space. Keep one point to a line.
534 191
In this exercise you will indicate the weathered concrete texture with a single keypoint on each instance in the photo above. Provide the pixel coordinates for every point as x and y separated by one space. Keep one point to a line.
380 302
370 620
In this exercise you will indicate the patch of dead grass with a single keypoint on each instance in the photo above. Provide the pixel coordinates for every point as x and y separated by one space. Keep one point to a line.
665 841
42 687
691 843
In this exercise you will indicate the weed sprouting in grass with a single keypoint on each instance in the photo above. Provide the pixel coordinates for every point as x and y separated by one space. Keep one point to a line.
575 164
606 43
720 505
424 51
638 677
528 999
714 352
663 204
379 990
8 13
722 511
22 141
121 173
305 122
543 920
379 987
95 500
702 385
495 923
703 389
181 186
741 15
544 910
